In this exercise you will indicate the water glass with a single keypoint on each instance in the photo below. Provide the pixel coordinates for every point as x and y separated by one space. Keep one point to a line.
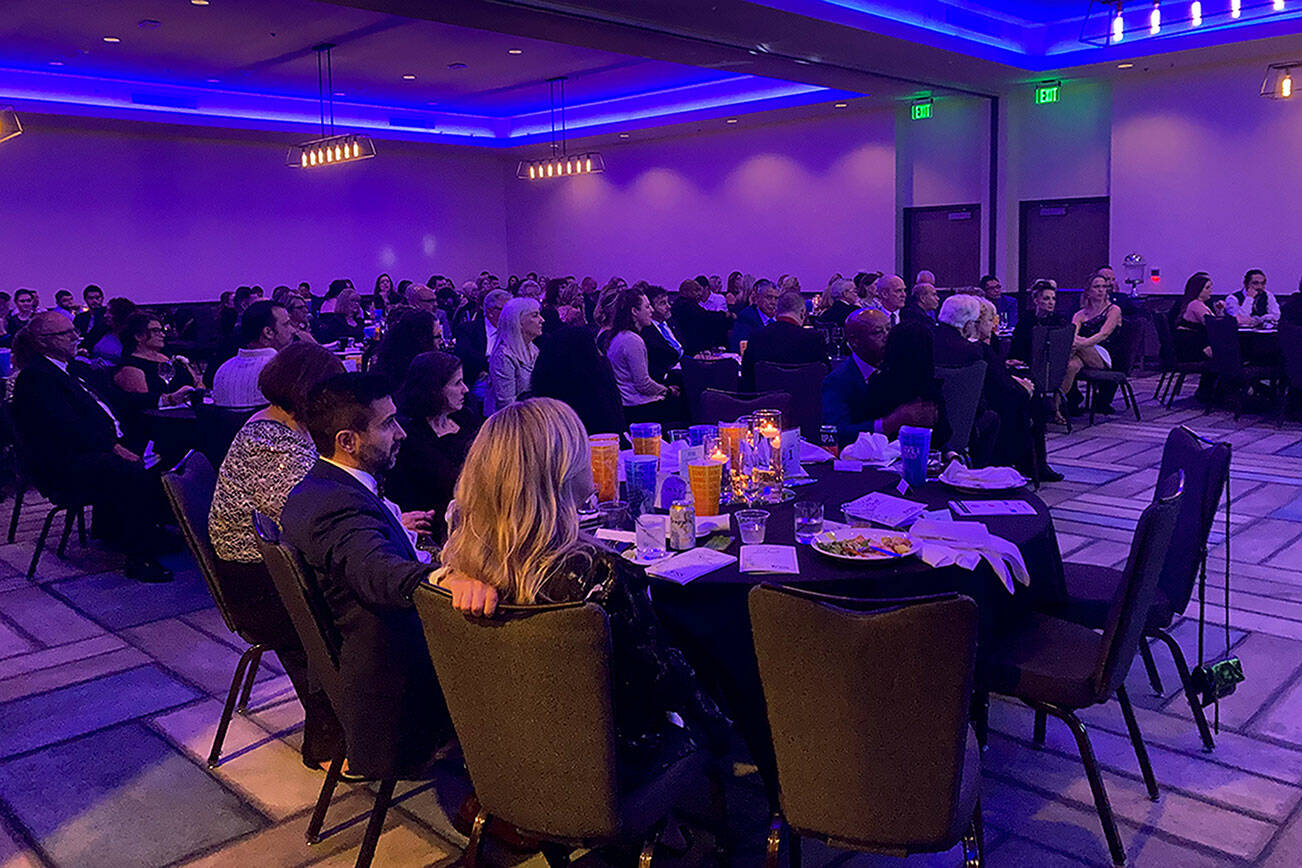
676 434
809 520
614 514
651 533
751 525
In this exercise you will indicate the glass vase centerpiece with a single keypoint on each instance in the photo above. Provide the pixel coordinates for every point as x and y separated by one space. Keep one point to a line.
763 457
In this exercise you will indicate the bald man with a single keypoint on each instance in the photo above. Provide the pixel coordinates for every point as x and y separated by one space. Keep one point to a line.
846 393
75 446
891 295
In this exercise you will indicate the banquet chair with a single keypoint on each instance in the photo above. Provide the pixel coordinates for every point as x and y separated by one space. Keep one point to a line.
718 406
1091 589
702 374
1126 350
216 428
961 389
310 614
26 478
804 383
1227 361
530 696
1050 354
1174 372
1290 346
877 763
189 488
1059 667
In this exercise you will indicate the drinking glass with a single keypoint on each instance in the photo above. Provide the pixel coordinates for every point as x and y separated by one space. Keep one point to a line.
676 434
915 446
809 520
706 480
605 465
650 536
645 437
614 514
751 524
640 481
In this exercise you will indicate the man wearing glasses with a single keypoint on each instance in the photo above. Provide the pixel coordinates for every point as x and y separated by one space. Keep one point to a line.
73 445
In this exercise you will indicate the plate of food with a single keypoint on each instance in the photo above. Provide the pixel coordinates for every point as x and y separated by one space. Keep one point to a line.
864 544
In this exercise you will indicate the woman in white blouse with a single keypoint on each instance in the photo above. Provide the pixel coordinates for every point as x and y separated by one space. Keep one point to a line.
643 398
511 365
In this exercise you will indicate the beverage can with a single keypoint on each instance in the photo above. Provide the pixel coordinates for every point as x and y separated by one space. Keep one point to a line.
827 439
682 526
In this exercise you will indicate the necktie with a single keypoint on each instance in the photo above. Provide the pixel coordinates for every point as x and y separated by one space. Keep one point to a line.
669 336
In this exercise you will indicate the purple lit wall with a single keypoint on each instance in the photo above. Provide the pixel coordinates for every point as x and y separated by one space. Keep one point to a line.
810 198
174 213
1207 176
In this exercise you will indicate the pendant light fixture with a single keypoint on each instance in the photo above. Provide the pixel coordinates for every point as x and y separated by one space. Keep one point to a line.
9 125
1278 83
329 149
561 163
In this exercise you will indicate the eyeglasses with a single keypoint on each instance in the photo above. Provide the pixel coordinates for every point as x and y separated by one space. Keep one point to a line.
59 334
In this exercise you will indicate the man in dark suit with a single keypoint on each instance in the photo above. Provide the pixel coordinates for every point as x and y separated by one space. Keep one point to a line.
663 349
760 313
93 316
921 306
847 398
785 340
74 449
363 554
697 328
477 336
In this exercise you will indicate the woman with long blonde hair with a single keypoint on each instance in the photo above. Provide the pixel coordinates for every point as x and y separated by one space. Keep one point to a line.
515 526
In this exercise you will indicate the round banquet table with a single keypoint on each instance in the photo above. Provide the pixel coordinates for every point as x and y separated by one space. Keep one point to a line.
1260 346
709 620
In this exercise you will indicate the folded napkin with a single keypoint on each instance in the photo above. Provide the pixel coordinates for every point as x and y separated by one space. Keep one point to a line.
691 564
672 456
873 448
811 453
985 477
967 543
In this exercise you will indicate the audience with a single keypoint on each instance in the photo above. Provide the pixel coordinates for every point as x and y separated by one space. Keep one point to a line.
410 333
697 328
515 526
1044 304
1020 440
1095 322
343 321
383 294
105 343
229 317
922 304
264 329
1253 306
74 444
512 361
66 305
662 346
270 455
643 398
570 368
958 336
761 312
300 313
784 341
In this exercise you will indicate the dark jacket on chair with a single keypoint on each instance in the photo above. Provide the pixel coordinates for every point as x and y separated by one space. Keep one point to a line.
697 328
472 348
366 567
782 342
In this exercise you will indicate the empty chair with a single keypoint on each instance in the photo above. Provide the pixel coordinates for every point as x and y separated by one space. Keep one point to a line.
1059 667
1125 355
884 763
717 406
189 487
961 388
702 374
1174 371
1091 589
804 383
1227 362
530 696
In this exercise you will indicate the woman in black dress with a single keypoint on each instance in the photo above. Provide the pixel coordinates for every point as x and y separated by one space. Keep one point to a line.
431 407
148 378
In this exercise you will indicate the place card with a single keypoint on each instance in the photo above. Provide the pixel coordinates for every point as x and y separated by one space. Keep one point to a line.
769 559
991 507
691 564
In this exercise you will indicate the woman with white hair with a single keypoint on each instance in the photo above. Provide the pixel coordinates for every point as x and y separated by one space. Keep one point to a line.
838 301
515 526
511 365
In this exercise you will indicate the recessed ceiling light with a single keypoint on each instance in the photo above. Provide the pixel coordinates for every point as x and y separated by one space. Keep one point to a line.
111 39
198 2
212 80
841 105
515 51
340 93
1124 65
409 77
732 120
56 63
623 135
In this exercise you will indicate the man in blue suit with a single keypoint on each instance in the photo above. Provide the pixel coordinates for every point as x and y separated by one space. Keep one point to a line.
762 311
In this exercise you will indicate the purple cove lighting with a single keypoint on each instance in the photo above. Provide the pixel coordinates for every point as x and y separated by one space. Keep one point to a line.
61 92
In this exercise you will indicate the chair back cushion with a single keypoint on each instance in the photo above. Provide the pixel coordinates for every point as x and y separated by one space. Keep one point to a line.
961 389
297 588
868 706
1050 353
718 406
1227 355
702 374
189 487
1165 342
1290 345
1206 468
1128 614
529 692
804 383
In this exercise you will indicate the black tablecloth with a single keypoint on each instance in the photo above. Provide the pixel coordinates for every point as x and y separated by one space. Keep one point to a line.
709 620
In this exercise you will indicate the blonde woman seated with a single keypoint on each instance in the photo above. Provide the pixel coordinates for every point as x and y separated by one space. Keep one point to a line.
515 527
1095 322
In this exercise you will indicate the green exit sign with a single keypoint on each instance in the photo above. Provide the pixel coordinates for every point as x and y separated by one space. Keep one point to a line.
921 109
1047 92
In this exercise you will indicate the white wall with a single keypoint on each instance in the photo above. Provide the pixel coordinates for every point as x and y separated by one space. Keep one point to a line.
176 213
810 198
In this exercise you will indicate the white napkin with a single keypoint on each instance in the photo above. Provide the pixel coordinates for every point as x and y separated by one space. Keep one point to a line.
967 543
811 453
872 447
691 564
985 477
